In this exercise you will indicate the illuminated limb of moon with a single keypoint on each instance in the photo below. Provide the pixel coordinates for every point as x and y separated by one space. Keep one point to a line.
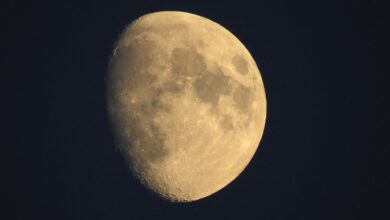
186 102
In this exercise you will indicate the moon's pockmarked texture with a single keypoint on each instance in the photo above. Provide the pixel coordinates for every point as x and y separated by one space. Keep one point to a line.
186 103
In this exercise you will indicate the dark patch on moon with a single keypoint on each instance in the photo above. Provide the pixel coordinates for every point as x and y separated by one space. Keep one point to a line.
158 105
209 87
226 123
243 97
240 64
174 86
188 62
156 102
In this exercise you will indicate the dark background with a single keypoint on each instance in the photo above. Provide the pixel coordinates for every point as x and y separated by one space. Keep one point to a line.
323 154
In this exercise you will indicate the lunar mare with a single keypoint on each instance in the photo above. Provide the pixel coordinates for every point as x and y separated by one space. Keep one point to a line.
186 103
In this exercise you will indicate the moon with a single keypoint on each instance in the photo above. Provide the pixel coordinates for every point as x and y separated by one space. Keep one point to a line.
186 103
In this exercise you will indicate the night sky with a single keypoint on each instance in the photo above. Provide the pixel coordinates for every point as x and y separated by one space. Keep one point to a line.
324 153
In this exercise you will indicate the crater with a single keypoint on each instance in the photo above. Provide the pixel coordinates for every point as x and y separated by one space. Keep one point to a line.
188 62
240 64
210 86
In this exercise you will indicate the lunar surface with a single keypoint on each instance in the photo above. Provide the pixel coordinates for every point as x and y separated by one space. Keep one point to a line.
186 103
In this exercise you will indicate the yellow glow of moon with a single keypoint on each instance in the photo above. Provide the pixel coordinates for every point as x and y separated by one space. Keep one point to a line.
186 103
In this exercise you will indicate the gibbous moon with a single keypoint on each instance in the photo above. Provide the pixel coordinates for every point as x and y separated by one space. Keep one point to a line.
186 103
